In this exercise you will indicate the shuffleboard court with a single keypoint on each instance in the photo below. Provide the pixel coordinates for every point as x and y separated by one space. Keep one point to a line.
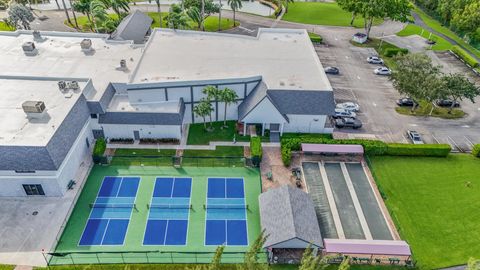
169 210
111 212
226 212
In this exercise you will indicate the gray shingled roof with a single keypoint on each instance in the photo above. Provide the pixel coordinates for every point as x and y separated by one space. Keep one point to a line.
133 27
288 213
252 100
303 101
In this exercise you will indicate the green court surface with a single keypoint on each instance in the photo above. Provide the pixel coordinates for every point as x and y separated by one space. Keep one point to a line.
195 251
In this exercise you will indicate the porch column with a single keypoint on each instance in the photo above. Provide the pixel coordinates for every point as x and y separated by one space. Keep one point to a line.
263 129
244 128
281 129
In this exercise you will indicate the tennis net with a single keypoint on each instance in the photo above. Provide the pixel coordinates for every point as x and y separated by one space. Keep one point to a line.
113 205
169 206
225 206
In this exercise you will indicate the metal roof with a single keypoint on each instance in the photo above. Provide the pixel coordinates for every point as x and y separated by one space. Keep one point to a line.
288 213
332 148
370 247
133 27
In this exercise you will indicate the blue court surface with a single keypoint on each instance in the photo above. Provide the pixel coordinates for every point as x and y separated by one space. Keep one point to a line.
167 222
111 211
226 217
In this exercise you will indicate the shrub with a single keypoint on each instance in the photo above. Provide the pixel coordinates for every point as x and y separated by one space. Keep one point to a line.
425 150
256 150
476 150
390 52
121 140
315 38
162 140
100 146
465 56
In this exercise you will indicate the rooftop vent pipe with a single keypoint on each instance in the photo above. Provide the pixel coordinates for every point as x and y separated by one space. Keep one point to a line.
29 48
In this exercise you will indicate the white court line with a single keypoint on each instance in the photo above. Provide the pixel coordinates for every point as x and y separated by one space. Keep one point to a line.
356 202
331 201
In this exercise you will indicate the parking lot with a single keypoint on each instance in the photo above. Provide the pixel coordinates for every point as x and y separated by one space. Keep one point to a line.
376 97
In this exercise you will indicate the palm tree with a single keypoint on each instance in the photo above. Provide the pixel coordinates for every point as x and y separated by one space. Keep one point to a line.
286 4
99 13
202 18
66 12
220 16
235 5
227 96
159 11
83 6
117 6
74 15
177 17
203 109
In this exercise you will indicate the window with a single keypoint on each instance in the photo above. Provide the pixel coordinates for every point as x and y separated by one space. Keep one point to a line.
33 189
93 116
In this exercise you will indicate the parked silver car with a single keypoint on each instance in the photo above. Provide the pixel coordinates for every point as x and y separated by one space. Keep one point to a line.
349 106
415 137
375 60
341 113
382 71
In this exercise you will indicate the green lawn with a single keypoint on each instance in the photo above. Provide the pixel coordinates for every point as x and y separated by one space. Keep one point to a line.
211 23
198 135
6 267
425 108
158 157
220 151
321 13
5 27
435 205
411 29
437 26
145 152
226 156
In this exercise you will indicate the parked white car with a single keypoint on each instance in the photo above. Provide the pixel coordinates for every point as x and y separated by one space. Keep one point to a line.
375 60
349 106
382 71
415 137
342 113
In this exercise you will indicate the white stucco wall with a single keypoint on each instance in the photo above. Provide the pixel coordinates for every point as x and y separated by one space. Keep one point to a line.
146 131
264 112
54 183
306 124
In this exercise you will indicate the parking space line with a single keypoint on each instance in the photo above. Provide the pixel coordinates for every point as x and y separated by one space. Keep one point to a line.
453 144
331 201
469 141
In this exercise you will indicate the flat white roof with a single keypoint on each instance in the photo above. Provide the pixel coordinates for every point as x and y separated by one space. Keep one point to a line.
60 55
285 58
120 103
15 127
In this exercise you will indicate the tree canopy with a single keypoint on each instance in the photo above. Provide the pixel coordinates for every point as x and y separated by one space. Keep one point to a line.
20 16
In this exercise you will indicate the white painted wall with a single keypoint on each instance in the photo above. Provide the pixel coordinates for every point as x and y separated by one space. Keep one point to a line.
305 124
146 131
264 112
54 183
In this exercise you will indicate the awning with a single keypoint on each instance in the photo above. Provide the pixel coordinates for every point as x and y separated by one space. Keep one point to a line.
370 247
332 148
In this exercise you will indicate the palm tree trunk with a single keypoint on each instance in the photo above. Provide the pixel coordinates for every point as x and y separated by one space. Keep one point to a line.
225 116
74 15
66 12
202 25
220 16
159 11
234 17
90 20
204 122
353 18
58 6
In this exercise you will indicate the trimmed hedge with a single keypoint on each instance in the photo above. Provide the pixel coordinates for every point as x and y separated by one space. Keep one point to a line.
100 146
256 150
370 147
425 150
476 150
465 56
390 52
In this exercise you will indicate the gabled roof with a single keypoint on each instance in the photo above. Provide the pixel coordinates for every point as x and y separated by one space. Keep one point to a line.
303 102
287 213
252 100
133 27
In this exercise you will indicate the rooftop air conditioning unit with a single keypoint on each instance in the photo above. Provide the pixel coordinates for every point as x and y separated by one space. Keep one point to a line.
62 86
29 48
34 109
123 64
73 85
86 45
37 36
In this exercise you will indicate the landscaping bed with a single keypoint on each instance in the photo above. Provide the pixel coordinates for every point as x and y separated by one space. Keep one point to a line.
424 109
383 49
440 43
